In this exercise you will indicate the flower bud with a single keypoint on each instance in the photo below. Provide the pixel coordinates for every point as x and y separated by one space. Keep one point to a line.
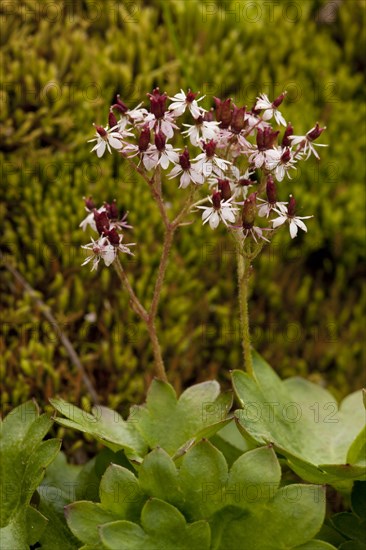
266 138
112 210
288 132
223 112
112 121
286 156
122 107
249 212
184 160
216 200
315 132
190 96
245 182
271 190
238 119
101 221
210 147
277 102
291 208
89 203
157 103
144 138
112 236
208 116
224 188
160 141
101 131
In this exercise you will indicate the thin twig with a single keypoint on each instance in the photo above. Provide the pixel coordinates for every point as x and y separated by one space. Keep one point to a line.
51 319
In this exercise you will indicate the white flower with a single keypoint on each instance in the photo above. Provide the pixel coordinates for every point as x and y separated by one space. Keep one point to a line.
219 211
90 220
260 158
266 208
188 175
255 232
295 222
305 143
280 161
100 249
105 140
181 101
270 110
154 157
165 124
202 129
103 250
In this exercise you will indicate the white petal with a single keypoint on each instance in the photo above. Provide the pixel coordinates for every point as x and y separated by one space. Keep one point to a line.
278 221
164 161
101 148
115 143
300 224
207 213
185 180
293 229
214 220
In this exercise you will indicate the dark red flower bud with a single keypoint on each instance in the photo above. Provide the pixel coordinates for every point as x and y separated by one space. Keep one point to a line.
210 148
101 131
122 107
157 103
271 190
112 210
291 208
208 116
266 138
112 121
184 160
190 96
288 132
249 211
89 203
286 156
160 141
101 221
277 102
112 236
244 182
119 108
224 188
144 138
315 132
223 112
237 121
216 200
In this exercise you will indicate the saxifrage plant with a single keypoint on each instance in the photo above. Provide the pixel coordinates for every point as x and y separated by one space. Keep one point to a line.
184 472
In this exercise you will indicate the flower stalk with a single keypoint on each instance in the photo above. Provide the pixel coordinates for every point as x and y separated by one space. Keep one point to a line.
243 268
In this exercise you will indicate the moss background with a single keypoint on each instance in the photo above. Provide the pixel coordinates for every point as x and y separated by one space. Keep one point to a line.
61 66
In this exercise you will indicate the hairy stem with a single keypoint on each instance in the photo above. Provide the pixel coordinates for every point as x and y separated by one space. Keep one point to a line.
243 281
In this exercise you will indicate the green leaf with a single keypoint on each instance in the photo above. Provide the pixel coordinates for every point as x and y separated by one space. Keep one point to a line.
58 489
254 477
304 423
358 499
170 424
291 518
158 477
24 458
203 477
84 517
316 545
120 493
231 442
163 528
350 525
104 424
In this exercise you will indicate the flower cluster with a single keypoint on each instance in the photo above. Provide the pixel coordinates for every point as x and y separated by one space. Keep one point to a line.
108 223
239 155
